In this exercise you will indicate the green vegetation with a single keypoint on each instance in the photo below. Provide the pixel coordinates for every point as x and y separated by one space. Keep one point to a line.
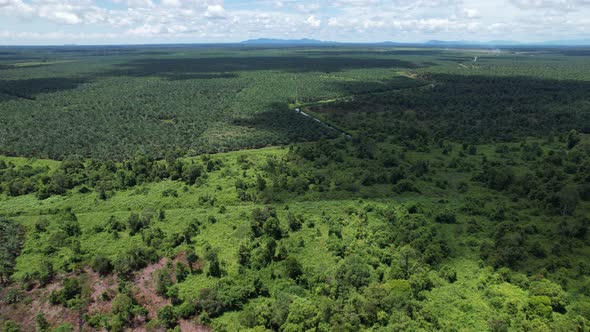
459 203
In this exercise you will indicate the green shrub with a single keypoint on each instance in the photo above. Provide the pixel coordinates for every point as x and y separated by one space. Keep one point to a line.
102 265
167 316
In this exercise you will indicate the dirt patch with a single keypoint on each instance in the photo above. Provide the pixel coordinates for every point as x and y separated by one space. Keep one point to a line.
101 285
37 300
191 326
146 295
145 289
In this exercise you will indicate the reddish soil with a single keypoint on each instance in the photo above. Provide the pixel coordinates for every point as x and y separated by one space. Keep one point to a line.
144 291
101 285
24 312
190 326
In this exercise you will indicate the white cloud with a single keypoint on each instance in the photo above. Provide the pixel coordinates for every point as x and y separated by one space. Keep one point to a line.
471 13
215 11
140 3
308 7
313 21
557 5
172 3
359 20
15 7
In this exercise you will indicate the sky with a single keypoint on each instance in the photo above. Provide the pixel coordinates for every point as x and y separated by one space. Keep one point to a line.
56 22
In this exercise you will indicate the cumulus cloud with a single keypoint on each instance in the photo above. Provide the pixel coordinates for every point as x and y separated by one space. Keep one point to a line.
366 20
172 3
15 7
471 13
215 11
140 4
313 21
557 5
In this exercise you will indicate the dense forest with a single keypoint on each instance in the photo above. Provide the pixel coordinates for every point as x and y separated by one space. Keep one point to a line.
423 191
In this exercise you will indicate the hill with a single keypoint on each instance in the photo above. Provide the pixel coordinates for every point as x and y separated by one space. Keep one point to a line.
268 41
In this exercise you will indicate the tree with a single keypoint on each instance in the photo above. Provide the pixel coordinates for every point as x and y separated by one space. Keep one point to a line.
215 268
353 272
295 222
244 255
102 265
446 217
214 264
123 307
573 138
539 306
293 268
163 280
568 199
134 224
11 243
45 273
303 316
191 173
181 272
191 258
260 183
407 255
272 227
385 298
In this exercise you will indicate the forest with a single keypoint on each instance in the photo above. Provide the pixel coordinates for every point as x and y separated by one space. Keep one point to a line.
294 189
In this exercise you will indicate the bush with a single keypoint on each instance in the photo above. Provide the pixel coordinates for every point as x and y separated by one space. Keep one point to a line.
295 222
293 268
12 296
41 322
353 272
186 310
405 186
102 265
539 306
446 217
163 281
64 328
10 326
71 290
123 307
209 302
134 259
181 271
167 316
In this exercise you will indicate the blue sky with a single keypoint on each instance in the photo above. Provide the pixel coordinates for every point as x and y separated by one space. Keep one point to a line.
194 21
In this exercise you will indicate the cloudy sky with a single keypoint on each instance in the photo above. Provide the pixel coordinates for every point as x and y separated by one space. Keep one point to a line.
195 21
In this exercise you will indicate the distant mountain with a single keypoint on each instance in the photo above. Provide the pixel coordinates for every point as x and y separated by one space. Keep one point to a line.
579 42
430 43
269 41
503 42
471 42
451 42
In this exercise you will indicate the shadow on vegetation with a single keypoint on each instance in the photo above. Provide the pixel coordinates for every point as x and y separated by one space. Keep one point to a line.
455 58
193 68
376 52
355 88
288 124
29 88
474 108
191 76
